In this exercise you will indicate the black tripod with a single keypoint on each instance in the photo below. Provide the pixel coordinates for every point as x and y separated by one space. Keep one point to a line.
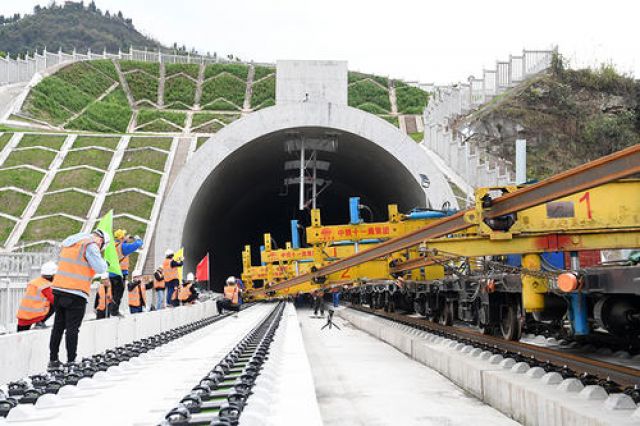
330 322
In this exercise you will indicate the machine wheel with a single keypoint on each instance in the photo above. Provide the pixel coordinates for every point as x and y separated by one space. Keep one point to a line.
509 322
419 307
446 314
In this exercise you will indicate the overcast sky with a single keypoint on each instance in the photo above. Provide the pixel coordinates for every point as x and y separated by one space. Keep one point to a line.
428 41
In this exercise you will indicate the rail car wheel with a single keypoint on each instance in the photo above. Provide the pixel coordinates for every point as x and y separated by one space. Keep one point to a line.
509 322
446 314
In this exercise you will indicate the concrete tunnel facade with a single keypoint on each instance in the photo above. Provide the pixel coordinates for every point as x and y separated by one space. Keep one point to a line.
231 192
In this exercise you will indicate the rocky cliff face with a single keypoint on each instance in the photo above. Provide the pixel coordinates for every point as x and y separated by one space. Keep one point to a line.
568 117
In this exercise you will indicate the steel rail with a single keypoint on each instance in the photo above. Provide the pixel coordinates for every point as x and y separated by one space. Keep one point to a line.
623 376
606 169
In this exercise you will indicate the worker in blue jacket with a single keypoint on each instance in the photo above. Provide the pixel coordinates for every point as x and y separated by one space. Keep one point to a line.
125 246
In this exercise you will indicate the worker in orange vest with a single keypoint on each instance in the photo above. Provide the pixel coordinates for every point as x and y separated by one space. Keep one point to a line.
125 246
36 305
79 260
230 297
138 295
171 279
188 293
104 297
158 286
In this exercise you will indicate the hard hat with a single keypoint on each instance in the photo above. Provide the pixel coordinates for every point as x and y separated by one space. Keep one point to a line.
231 280
49 268
120 233
169 252
190 276
105 237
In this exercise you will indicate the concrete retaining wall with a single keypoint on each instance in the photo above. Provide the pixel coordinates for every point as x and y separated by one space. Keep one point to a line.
528 395
25 353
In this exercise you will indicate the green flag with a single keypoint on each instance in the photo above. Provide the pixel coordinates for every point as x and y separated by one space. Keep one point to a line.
110 254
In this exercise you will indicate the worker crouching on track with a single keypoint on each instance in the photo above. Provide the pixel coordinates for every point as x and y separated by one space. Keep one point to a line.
230 298
79 261
125 246
188 293
138 295
158 286
36 305
104 298
171 281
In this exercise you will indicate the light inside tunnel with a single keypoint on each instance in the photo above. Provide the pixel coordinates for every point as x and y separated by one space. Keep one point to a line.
245 196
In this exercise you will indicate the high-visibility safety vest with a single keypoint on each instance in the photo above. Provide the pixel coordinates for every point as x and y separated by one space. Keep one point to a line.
34 304
174 295
184 292
74 271
158 284
170 273
231 293
124 260
104 296
138 296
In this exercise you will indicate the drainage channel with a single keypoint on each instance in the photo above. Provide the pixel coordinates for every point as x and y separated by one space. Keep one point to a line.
220 396
61 380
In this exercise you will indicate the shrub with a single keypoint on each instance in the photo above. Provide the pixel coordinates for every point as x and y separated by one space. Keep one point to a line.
149 115
411 100
143 86
189 69
54 228
86 141
607 134
239 70
224 86
35 157
49 141
364 91
142 179
86 78
13 203
78 178
152 68
179 89
263 91
69 202
129 202
146 157
260 72
158 142
106 67
6 226
90 157
21 178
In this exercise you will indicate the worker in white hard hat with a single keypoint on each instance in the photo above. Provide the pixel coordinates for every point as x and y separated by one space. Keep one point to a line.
188 293
36 305
125 246
170 270
231 296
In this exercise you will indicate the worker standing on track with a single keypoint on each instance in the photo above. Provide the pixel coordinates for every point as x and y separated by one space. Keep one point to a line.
104 297
36 305
230 298
188 293
138 295
318 302
79 261
171 280
158 286
125 246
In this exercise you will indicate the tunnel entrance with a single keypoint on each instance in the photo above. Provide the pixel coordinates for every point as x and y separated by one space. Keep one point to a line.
245 196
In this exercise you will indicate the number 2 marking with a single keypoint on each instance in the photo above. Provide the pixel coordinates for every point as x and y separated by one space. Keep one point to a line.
345 274
586 198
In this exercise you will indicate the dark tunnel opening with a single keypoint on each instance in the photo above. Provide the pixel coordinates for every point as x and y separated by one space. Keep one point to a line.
245 196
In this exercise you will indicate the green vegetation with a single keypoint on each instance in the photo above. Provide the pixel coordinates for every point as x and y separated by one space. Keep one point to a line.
85 78
200 141
103 117
372 108
79 178
366 92
4 139
90 157
117 97
71 25
45 100
418 136
52 228
129 202
179 92
224 86
239 70
86 124
391 119
212 127
41 107
411 100
106 67
142 179
148 115
146 157
202 118
158 142
191 70
33 156
143 86
69 202
354 76
86 141
49 141
261 72
160 127
21 178
132 226
6 226
13 203
151 68
264 93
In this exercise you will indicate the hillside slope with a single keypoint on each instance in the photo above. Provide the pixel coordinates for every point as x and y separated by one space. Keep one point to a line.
568 117
70 26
